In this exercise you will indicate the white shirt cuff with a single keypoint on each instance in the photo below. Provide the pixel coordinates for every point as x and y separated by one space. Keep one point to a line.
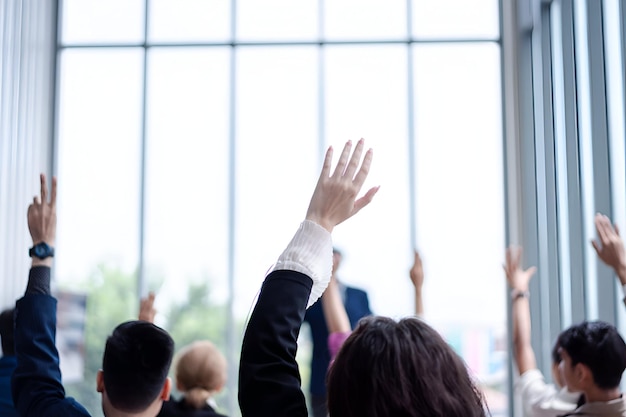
310 252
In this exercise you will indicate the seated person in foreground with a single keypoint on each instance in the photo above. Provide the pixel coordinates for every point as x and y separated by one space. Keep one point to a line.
539 399
200 372
137 356
385 368
594 358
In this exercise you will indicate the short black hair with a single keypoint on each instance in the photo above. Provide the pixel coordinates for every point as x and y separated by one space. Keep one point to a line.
7 331
599 346
136 361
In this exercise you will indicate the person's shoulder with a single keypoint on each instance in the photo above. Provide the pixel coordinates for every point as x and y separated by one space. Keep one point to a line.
356 291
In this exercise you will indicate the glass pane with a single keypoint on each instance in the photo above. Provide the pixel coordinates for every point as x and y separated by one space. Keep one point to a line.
187 192
460 202
277 157
99 189
96 21
365 19
456 19
366 97
616 107
189 20
277 19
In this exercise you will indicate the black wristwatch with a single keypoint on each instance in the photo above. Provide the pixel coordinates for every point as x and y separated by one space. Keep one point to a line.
41 250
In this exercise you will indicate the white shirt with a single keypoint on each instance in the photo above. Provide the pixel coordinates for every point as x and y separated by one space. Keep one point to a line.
544 400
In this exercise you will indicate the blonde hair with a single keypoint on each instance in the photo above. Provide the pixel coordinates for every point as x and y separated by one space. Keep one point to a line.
200 371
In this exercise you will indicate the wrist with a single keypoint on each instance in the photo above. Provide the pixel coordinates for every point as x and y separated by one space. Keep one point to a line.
518 293
41 262
620 270
320 222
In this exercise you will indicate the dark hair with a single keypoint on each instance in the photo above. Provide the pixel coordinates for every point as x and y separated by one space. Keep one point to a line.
6 331
599 346
401 369
137 358
556 355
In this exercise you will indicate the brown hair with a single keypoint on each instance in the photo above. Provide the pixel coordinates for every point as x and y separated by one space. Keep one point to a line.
401 369
200 371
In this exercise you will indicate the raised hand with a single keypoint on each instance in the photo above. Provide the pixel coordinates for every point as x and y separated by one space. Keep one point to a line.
610 248
417 278
42 215
517 278
417 271
335 197
146 308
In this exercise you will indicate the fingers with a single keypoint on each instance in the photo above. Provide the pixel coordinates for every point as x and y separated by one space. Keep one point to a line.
365 168
616 229
531 271
53 192
328 160
518 259
513 257
355 160
44 188
343 160
601 228
416 257
507 261
36 200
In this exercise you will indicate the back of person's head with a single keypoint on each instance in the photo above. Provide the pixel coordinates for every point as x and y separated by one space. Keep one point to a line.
598 346
200 372
556 355
400 369
136 361
6 332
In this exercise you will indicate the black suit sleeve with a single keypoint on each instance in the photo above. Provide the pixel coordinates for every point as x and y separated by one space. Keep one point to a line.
36 383
269 379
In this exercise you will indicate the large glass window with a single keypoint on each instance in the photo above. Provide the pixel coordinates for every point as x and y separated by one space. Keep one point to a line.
187 158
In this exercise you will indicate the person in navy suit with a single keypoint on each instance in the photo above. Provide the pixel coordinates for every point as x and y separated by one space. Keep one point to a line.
137 356
357 306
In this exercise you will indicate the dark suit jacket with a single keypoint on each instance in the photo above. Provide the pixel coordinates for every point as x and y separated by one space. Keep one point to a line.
357 307
7 365
36 383
269 380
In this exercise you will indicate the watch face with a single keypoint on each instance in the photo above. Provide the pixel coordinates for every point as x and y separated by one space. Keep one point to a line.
40 250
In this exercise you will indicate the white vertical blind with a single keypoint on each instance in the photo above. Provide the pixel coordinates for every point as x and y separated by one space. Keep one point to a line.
27 60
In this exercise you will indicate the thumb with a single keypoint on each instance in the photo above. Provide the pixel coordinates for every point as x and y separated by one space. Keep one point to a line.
365 200
531 271
596 246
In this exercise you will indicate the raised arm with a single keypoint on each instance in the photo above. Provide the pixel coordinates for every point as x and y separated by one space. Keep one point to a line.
269 380
518 280
335 314
146 308
417 278
36 383
610 248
